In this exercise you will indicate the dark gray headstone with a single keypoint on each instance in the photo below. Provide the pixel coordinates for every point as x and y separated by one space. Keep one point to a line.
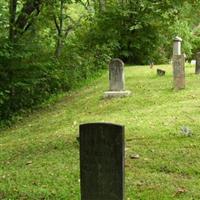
179 71
102 161
116 75
197 69
160 72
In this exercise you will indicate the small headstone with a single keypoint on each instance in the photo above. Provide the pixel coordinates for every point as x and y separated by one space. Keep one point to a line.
193 62
116 79
151 65
160 72
116 75
197 69
102 161
179 72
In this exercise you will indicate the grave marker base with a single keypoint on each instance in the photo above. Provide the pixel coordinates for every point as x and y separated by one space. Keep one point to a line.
116 94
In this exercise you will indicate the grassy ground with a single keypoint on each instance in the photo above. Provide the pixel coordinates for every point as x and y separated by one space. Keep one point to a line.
40 156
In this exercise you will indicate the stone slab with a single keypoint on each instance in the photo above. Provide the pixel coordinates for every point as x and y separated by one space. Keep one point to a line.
116 94
179 72
102 161
160 72
197 68
116 75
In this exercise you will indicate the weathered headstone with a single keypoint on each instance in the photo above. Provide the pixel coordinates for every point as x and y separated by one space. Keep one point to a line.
178 65
116 79
160 72
116 75
151 64
179 71
102 161
177 46
197 69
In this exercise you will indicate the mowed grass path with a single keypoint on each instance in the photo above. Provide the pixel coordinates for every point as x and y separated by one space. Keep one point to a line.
39 157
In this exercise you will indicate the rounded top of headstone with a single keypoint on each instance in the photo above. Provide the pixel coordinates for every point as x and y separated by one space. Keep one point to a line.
116 62
101 124
178 39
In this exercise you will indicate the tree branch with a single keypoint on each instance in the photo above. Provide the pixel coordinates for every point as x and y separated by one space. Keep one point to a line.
30 9
56 23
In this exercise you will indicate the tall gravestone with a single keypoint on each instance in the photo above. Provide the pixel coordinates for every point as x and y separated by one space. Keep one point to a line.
197 69
179 72
116 79
178 65
102 161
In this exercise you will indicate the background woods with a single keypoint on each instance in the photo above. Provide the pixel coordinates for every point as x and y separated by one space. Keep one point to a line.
51 46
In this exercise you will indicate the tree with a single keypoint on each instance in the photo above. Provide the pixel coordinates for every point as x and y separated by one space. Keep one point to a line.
64 22
19 24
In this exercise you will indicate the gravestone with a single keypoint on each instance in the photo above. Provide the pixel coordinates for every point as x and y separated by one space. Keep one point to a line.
116 79
197 69
193 62
179 72
102 161
178 65
177 46
116 75
151 65
160 72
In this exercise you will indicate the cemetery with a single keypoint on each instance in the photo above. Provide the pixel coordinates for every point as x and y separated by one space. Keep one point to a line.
40 157
99 100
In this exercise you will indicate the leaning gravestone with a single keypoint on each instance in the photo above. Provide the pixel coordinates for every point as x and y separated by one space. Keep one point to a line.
116 79
160 72
197 69
178 65
102 161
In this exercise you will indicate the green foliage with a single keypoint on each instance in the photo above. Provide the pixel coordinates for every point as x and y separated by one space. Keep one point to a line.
142 31
47 47
32 83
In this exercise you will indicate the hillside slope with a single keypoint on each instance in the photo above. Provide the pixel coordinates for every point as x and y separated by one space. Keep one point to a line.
39 157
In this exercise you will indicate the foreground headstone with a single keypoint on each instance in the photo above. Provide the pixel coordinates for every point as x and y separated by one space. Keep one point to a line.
116 79
179 72
160 72
102 161
197 69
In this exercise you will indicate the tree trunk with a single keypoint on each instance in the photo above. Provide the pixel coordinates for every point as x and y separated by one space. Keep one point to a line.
30 9
102 5
12 18
59 27
59 46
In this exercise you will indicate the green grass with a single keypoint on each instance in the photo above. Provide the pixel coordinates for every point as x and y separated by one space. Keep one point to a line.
40 156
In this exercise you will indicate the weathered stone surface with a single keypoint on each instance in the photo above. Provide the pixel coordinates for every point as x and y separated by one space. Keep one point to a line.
179 71
116 80
112 94
177 46
102 161
197 69
116 75
160 72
